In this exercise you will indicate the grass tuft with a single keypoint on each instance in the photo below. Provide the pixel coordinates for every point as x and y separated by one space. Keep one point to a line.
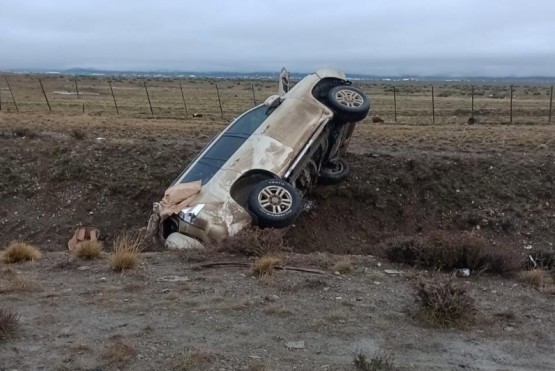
264 266
127 247
344 265
89 250
9 323
537 278
17 252
253 242
118 354
447 251
193 360
78 134
379 362
444 304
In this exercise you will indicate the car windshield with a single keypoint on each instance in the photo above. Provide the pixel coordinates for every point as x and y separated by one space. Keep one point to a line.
212 159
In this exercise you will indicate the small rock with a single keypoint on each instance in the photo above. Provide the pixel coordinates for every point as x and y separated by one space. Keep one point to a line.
376 283
83 268
165 291
275 297
295 344
338 298
379 265
173 279
464 272
528 247
508 328
103 279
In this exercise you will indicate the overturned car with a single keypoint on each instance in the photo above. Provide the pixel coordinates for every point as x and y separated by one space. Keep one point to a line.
256 171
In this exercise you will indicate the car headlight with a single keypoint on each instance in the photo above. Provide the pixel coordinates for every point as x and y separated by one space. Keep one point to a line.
189 214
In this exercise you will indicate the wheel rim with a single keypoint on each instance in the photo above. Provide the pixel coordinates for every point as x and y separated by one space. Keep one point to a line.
275 199
349 98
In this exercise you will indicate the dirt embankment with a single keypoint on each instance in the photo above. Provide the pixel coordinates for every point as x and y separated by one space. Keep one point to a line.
51 182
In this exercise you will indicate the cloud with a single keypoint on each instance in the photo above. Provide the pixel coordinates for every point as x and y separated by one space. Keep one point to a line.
456 37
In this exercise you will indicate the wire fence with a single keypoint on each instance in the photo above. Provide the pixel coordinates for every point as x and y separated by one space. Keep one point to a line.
392 102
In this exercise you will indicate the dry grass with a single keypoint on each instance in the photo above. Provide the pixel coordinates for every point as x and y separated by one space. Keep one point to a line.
9 322
443 304
127 247
89 250
17 252
253 242
264 266
381 361
448 250
118 354
13 282
344 265
193 360
191 255
537 278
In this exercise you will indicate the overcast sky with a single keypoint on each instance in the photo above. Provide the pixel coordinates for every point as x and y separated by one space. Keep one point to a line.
381 37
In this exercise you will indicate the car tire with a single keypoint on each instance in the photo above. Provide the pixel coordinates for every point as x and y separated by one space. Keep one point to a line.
334 174
275 203
349 103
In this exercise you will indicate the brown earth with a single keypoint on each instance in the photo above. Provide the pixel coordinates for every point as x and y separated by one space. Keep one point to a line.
404 181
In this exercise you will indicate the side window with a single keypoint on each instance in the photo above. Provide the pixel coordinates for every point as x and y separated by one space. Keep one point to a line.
220 151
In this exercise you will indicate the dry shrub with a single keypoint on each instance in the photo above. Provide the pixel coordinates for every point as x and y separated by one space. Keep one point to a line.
19 252
544 259
89 250
118 354
444 304
344 265
13 282
381 361
253 242
537 278
127 247
447 251
193 360
265 265
78 134
9 322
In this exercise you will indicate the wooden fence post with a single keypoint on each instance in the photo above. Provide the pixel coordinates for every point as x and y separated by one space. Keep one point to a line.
550 104
511 106
433 107
76 88
472 104
148 97
219 100
45 97
11 93
395 103
0 98
183 98
114 97
253 96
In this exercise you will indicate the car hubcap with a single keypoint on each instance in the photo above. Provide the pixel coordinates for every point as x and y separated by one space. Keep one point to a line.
349 98
275 199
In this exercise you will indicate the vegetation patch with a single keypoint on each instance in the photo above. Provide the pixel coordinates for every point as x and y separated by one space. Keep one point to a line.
266 264
253 242
9 323
447 251
89 250
17 252
380 361
443 304
127 248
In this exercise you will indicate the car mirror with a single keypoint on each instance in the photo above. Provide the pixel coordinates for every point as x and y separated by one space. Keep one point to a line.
272 101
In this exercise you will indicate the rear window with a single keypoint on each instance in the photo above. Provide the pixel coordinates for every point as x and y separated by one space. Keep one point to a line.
218 154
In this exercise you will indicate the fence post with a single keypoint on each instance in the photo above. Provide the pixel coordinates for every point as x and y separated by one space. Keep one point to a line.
433 107
76 89
148 97
511 107
219 100
472 109
183 97
45 97
114 97
550 104
11 93
395 103
0 98
253 96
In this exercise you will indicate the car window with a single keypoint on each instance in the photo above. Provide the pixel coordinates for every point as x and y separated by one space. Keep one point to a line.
225 146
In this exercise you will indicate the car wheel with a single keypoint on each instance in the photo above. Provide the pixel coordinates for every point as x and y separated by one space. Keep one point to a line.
350 104
334 173
275 203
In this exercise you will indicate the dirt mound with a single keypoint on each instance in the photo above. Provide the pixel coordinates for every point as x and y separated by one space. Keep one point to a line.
49 185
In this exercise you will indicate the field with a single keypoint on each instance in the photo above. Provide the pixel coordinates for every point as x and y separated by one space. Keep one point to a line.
490 184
